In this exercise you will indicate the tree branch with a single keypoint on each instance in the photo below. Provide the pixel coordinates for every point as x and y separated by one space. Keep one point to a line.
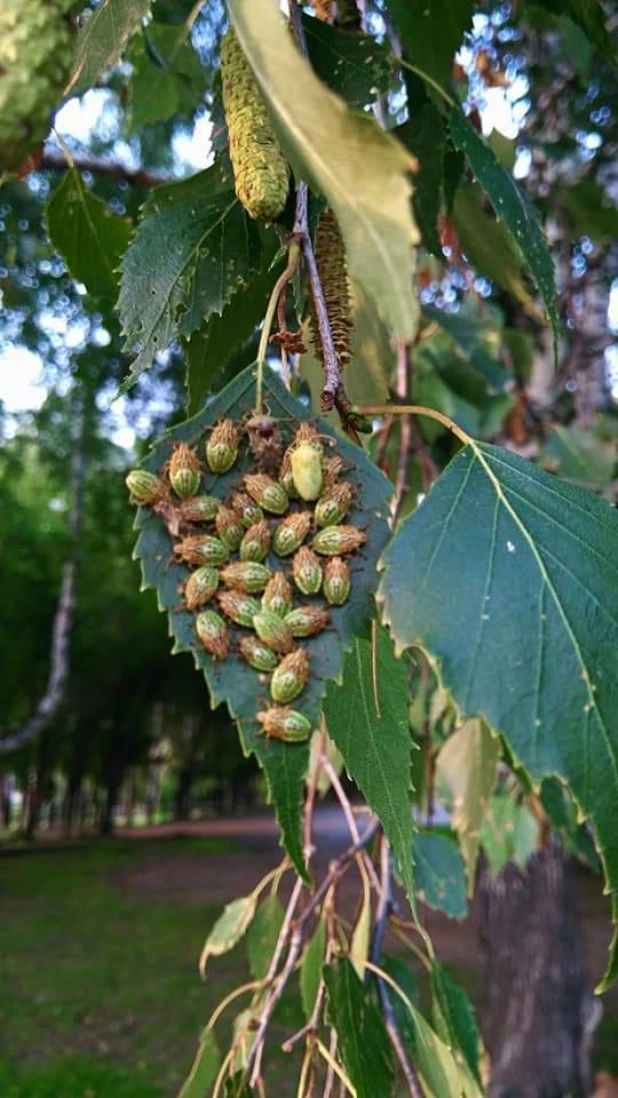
108 169
63 618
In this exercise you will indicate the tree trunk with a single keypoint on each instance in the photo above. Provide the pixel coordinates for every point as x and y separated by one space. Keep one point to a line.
63 618
106 820
183 789
539 1015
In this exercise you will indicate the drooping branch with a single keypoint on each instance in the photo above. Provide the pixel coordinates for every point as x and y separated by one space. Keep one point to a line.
63 618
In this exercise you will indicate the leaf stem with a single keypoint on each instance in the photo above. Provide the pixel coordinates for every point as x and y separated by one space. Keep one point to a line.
428 80
414 410
284 278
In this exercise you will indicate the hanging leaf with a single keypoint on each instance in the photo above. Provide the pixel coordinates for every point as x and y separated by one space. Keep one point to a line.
579 456
511 206
90 238
210 348
431 32
230 680
530 642
591 210
173 279
423 135
454 1020
359 945
509 830
440 876
489 247
466 771
102 40
376 743
263 935
404 977
591 18
311 968
362 1040
372 359
469 336
354 65
355 165
205 1067
173 86
229 928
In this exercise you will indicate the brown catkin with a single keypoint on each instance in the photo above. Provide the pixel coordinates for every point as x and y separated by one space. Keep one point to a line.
333 271
259 166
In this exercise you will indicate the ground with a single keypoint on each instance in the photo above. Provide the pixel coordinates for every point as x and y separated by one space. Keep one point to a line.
100 992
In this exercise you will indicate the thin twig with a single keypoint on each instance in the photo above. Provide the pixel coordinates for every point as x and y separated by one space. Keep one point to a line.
382 913
330 1074
347 811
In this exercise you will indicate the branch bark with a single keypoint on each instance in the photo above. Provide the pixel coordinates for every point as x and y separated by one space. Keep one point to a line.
63 618
137 177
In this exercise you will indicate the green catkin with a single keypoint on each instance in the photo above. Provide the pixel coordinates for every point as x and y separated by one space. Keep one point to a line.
260 169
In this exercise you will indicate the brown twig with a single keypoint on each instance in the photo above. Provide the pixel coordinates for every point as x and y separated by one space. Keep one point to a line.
382 914
108 169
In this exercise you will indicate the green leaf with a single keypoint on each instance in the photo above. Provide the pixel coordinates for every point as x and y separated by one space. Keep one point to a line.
489 246
511 206
530 641
376 743
360 169
509 830
175 86
591 212
90 238
230 927
362 1040
311 968
443 1075
454 1019
102 40
372 359
210 348
423 135
173 278
431 31
359 944
230 680
590 16
579 456
404 977
205 1067
468 334
353 65
263 934
440 875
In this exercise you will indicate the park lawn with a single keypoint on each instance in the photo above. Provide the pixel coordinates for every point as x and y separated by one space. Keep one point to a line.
100 992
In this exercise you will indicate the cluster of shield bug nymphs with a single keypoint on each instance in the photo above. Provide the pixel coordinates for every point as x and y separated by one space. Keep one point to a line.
289 510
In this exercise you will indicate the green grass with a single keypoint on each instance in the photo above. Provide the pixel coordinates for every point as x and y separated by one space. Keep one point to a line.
100 992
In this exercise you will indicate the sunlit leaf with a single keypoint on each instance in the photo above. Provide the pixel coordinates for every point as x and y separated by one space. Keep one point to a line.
229 928
102 40
173 279
360 169
311 968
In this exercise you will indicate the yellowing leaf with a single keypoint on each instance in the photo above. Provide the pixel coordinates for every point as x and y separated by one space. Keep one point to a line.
229 928
466 770
360 169
359 946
